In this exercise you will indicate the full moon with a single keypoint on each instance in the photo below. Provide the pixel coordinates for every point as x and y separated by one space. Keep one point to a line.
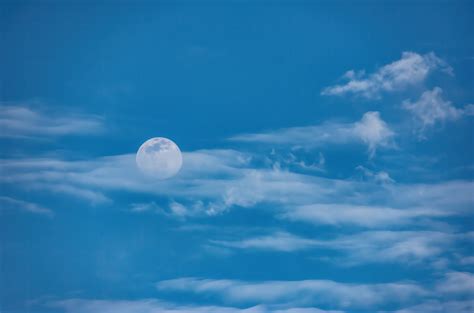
159 158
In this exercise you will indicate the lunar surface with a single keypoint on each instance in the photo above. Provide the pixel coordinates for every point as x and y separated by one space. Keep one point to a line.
159 158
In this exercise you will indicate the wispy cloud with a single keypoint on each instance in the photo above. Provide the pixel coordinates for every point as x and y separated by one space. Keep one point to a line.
288 296
411 69
381 177
156 306
213 181
7 203
305 292
431 109
279 241
371 130
362 215
17 120
457 283
402 247
437 306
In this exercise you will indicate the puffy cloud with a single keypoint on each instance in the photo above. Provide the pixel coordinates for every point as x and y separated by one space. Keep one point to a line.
25 121
411 69
373 131
431 109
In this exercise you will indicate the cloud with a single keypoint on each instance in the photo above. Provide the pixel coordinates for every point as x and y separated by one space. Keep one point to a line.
145 207
436 306
210 180
431 109
402 247
361 215
457 283
368 247
15 204
411 69
370 130
469 109
304 292
156 306
286 296
25 121
373 131
381 177
140 306
213 181
279 241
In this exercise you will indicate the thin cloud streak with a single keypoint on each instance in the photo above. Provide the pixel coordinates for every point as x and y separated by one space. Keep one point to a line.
24 121
8 203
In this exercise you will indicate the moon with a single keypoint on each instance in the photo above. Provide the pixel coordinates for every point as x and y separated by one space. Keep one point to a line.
159 158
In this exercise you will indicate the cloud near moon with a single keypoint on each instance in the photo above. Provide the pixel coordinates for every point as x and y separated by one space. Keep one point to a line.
159 158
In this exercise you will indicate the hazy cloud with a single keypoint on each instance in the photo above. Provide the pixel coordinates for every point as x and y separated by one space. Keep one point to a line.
7 203
156 306
26 121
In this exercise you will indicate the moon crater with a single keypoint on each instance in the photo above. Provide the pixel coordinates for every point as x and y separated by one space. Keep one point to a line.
159 158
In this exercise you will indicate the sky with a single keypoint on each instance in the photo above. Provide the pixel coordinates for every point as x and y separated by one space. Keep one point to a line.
327 151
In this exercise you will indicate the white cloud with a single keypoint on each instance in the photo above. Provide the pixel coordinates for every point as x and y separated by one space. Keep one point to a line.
156 306
24 121
279 241
303 292
15 204
431 109
140 306
457 283
403 247
411 69
370 130
381 177
436 306
466 260
469 109
145 207
361 215
212 181
374 132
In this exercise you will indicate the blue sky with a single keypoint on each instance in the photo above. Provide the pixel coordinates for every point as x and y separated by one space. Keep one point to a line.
327 157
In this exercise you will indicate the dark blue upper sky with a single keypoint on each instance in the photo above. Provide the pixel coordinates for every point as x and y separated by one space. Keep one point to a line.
327 156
